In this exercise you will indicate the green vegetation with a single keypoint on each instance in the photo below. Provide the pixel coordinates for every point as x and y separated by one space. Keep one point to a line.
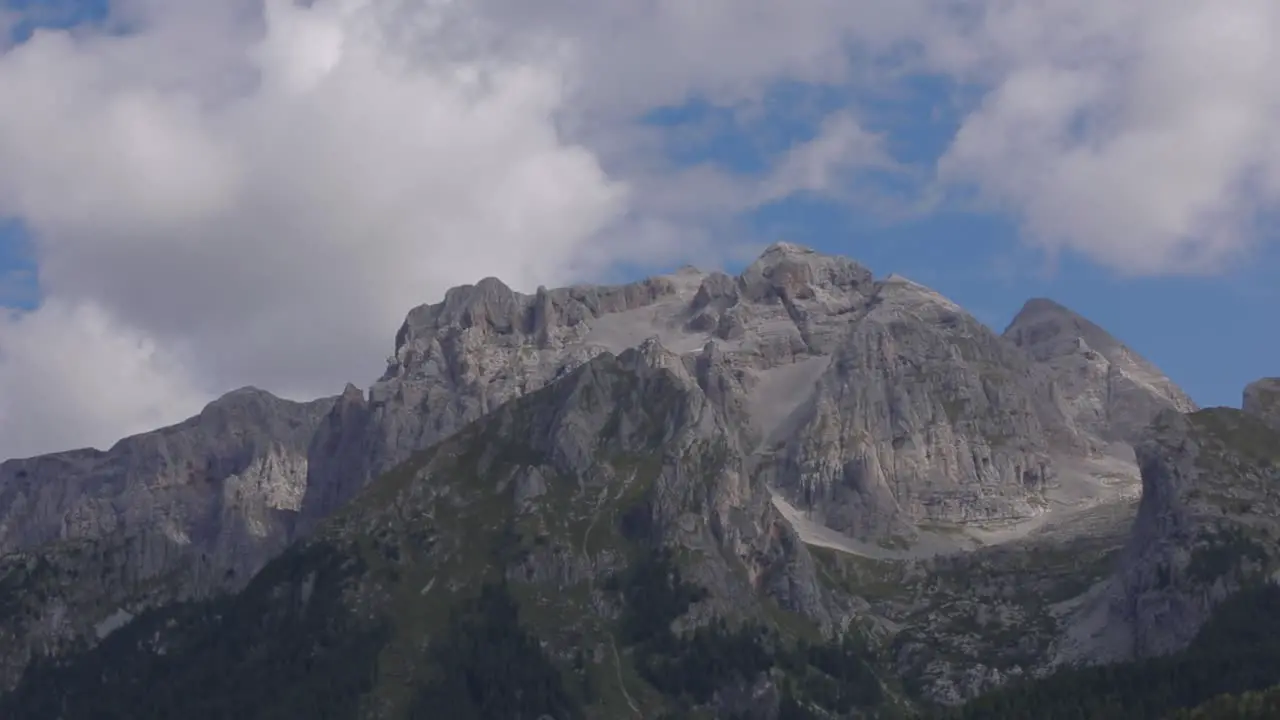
836 676
285 648
1222 553
1242 432
487 666
289 649
1237 651
1263 705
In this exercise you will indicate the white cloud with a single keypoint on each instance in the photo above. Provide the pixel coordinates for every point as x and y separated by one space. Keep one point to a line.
831 160
264 193
637 55
271 188
1145 135
272 199
66 358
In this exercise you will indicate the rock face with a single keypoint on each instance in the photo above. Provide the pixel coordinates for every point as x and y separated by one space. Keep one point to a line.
221 486
1105 389
922 414
1262 400
1207 525
878 404
552 495
868 409
91 537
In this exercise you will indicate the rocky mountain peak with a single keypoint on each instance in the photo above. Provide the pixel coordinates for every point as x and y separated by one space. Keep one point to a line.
1262 400
1105 389
1046 329
794 272
800 395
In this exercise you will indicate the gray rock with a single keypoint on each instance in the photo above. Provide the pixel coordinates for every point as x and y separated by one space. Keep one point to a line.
874 407
922 414
1105 389
876 404
180 512
1205 527
223 484
1262 400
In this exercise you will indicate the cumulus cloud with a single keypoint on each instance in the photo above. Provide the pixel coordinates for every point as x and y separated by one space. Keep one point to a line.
272 195
65 369
254 192
1144 135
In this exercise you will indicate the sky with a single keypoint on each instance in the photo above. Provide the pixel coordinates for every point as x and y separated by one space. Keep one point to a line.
198 196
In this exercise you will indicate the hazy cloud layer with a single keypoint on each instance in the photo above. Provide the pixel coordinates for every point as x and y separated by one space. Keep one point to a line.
246 192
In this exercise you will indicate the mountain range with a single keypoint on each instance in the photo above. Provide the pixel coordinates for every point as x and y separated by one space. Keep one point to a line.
798 492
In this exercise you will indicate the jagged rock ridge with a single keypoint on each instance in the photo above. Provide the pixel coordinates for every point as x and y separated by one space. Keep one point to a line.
90 537
867 407
1105 389
930 414
554 493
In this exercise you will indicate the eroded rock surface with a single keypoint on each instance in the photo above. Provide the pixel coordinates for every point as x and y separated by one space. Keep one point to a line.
869 412
1262 400
92 537
1105 389
876 404
1208 525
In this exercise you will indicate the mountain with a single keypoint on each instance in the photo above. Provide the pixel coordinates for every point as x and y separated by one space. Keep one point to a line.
559 502
1262 400
1104 388
1191 610
88 537
1207 526
826 490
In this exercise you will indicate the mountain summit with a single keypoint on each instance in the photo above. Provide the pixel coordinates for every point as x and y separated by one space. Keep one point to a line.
639 473
1105 389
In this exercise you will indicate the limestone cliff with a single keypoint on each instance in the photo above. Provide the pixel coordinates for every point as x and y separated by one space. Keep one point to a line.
1105 389
553 496
89 538
877 404
1262 400
861 409
922 414
1208 525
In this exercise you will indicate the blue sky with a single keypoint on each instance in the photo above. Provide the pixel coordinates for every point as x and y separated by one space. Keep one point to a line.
1211 334
182 194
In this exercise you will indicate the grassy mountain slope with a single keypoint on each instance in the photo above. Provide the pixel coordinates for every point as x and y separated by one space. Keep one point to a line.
574 555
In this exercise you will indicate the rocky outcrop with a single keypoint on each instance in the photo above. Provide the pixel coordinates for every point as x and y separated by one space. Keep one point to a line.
1207 525
1106 390
222 486
556 495
876 404
626 449
923 414
872 407
1262 400
90 538
458 360
648 406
